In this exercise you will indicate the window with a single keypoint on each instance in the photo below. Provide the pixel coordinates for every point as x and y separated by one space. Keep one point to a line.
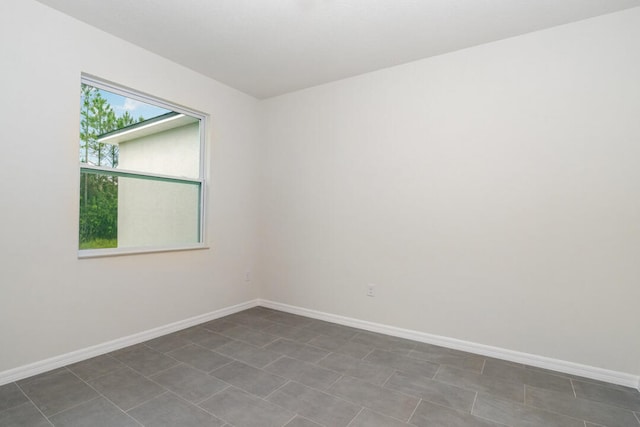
141 172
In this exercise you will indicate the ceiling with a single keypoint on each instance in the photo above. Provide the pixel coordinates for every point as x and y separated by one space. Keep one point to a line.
270 47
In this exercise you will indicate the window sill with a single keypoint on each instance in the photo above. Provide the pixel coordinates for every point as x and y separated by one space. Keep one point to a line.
101 253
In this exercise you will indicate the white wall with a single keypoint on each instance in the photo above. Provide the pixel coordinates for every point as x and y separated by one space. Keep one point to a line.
491 194
51 302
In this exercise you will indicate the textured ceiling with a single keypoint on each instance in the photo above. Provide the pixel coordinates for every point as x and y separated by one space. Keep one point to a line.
270 47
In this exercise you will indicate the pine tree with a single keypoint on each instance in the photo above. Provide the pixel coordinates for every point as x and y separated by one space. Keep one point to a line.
99 192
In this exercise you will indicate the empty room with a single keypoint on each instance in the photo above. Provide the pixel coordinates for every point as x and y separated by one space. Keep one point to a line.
334 213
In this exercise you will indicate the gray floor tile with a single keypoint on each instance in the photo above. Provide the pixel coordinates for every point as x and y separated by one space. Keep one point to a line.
168 343
402 363
189 383
433 391
144 359
328 343
594 412
262 310
357 368
518 415
291 332
250 336
248 353
480 383
200 357
213 340
56 392
244 410
579 378
379 399
11 396
513 364
250 379
320 407
96 413
126 388
431 415
195 334
297 350
332 329
251 321
354 349
445 356
302 422
219 325
384 342
168 410
289 319
341 345
95 367
361 367
368 418
628 399
303 372
542 380
41 376
24 415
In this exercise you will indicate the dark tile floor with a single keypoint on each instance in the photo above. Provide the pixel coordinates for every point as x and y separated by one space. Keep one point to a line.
266 368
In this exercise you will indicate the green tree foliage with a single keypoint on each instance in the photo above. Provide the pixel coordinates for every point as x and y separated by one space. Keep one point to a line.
99 192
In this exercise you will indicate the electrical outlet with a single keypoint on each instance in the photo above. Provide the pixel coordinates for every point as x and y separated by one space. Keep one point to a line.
371 290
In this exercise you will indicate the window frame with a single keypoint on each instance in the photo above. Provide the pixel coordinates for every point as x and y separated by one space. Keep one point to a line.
200 180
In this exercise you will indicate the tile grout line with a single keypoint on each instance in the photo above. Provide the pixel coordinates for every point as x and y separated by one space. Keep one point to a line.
264 368
295 414
324 357
277 389
473 405
581 399
212 414
102 395
211 395
356 416
414 410
436 372
573 388
33 403
76 405
384 384
484 363
335 382
147 401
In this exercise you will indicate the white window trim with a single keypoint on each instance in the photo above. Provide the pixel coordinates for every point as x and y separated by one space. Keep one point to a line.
204 120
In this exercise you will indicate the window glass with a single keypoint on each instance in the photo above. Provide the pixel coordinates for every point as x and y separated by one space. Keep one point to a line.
141 181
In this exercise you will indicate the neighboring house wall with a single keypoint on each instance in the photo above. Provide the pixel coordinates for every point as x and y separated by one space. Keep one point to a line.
159 213
169 152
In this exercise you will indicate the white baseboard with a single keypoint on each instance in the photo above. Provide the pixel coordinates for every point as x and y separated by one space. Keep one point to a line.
31 369
586 371
557 365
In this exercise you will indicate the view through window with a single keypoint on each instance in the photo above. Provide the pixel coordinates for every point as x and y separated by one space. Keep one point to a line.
141 183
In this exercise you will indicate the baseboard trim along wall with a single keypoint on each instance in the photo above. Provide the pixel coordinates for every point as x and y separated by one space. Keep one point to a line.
557 365
600 374
96 350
